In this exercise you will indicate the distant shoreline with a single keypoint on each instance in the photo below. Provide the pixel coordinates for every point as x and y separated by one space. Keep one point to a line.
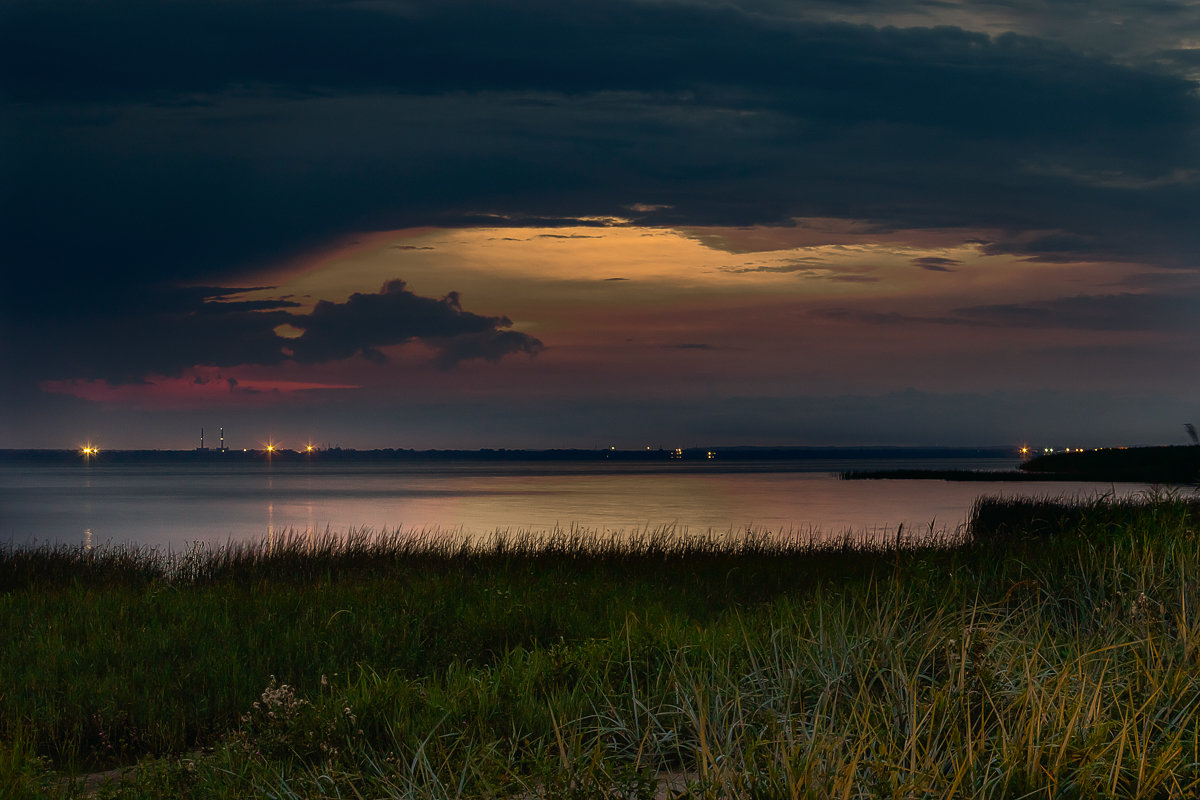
1179 465
690 454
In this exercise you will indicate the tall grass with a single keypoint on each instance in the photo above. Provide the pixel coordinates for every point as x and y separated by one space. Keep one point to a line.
1032 659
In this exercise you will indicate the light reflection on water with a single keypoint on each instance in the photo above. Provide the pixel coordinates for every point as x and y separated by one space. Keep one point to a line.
172 505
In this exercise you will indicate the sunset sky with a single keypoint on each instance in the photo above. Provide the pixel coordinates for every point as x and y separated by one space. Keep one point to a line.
627 223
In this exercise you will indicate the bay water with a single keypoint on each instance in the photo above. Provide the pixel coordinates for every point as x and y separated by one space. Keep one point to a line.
170 506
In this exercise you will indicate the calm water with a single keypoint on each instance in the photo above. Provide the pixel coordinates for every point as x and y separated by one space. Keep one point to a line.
172 505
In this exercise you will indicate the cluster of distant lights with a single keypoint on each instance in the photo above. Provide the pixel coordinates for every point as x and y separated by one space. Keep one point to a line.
1047 450
270 447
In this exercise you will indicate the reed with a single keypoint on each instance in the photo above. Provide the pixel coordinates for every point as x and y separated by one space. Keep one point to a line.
1023 660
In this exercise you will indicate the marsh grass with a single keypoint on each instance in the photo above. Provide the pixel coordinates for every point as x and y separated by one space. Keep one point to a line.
1051 651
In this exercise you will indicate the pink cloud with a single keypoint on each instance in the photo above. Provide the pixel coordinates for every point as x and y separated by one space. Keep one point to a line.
201 386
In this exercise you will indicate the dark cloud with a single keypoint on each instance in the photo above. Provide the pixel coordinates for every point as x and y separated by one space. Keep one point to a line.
367 322
1056 247
1127 30
172 330
936 263
255 130
920 76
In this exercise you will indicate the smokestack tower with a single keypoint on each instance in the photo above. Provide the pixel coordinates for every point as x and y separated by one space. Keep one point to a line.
222 439
201 447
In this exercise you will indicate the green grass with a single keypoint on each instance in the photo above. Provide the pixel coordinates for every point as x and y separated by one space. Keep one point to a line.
1056 653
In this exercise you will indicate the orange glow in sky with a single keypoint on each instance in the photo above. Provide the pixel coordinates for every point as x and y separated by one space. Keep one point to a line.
773 311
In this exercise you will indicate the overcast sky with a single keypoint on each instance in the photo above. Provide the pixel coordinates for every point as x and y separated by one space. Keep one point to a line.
506 224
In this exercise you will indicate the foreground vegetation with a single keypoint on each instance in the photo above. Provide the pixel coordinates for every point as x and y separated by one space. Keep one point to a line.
1052 652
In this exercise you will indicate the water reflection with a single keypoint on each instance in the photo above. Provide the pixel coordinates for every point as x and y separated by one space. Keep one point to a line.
87 504
303 523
